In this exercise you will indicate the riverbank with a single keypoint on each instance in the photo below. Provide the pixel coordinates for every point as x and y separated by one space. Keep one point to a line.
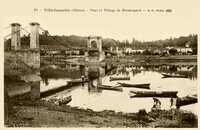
133 60
150 59
43 113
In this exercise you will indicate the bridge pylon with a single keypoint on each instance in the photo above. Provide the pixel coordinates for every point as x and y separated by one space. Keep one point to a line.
15 36
94 52
34 38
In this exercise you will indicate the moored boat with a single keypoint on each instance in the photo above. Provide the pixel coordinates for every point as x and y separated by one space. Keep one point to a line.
144 86
77 81
186 101
174 76
107 87
154 93
65 100
119 78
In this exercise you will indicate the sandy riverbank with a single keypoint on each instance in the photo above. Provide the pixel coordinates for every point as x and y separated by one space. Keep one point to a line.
48 114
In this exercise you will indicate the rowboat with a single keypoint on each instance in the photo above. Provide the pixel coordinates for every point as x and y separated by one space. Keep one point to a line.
65 100
174 76
186 101
119 78
154 93
77 81
107 87
144 86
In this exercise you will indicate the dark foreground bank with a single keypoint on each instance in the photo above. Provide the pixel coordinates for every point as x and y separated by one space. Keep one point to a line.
48 114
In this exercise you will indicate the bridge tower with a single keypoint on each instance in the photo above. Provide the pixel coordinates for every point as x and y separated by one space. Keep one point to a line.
34 38
15 36
94 51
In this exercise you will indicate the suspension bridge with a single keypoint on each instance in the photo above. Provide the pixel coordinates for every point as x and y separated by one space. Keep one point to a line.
94 43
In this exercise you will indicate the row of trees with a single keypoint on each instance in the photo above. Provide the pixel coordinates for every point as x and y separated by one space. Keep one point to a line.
181 41
191 40
79 41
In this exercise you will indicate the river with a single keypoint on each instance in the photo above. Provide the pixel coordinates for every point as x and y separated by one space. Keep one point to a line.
87 96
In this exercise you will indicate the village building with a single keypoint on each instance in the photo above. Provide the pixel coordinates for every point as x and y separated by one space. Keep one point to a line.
135 51
157 52
183 50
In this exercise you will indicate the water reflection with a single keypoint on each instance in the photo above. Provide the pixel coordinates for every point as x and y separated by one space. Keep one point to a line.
88 95
190 70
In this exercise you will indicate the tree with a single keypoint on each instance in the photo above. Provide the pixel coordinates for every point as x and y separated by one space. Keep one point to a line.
46 33
173 51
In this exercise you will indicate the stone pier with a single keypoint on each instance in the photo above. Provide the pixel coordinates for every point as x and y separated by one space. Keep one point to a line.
34 39
30 58
15 37
94 53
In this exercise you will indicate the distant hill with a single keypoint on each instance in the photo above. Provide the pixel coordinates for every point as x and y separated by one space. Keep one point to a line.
79 41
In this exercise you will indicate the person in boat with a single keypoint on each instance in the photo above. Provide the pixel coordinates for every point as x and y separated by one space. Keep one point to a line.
157 104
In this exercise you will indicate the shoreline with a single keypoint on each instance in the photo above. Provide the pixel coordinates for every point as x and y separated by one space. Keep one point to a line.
46 113
40 113
135 60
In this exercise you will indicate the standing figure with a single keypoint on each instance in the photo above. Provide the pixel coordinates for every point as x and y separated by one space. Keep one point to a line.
157 104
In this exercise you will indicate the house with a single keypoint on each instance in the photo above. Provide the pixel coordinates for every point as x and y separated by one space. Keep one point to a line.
184 50
128 50
120 53
165 51
137 51
157 52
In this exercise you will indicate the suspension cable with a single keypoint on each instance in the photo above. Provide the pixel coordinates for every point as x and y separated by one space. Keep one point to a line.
59 41
7 27
25 30
15 32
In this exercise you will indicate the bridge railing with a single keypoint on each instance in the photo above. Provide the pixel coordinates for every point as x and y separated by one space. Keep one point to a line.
45 47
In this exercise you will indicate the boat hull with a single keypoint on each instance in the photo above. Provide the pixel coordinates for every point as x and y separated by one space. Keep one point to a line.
174 76
119 78
106 87
187 101
143 86
77 81
65 100
154 94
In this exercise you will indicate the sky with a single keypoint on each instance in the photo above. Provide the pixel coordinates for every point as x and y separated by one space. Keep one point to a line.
144 26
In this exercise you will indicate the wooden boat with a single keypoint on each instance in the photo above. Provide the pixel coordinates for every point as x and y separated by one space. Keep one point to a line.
65 100
144 86
174 76
77 81
154 93
107 87
119 78
186 101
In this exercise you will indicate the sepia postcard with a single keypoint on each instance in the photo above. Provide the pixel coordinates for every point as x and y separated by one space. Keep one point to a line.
100 64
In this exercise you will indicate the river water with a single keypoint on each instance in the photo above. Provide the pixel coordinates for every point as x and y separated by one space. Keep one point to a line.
85 96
